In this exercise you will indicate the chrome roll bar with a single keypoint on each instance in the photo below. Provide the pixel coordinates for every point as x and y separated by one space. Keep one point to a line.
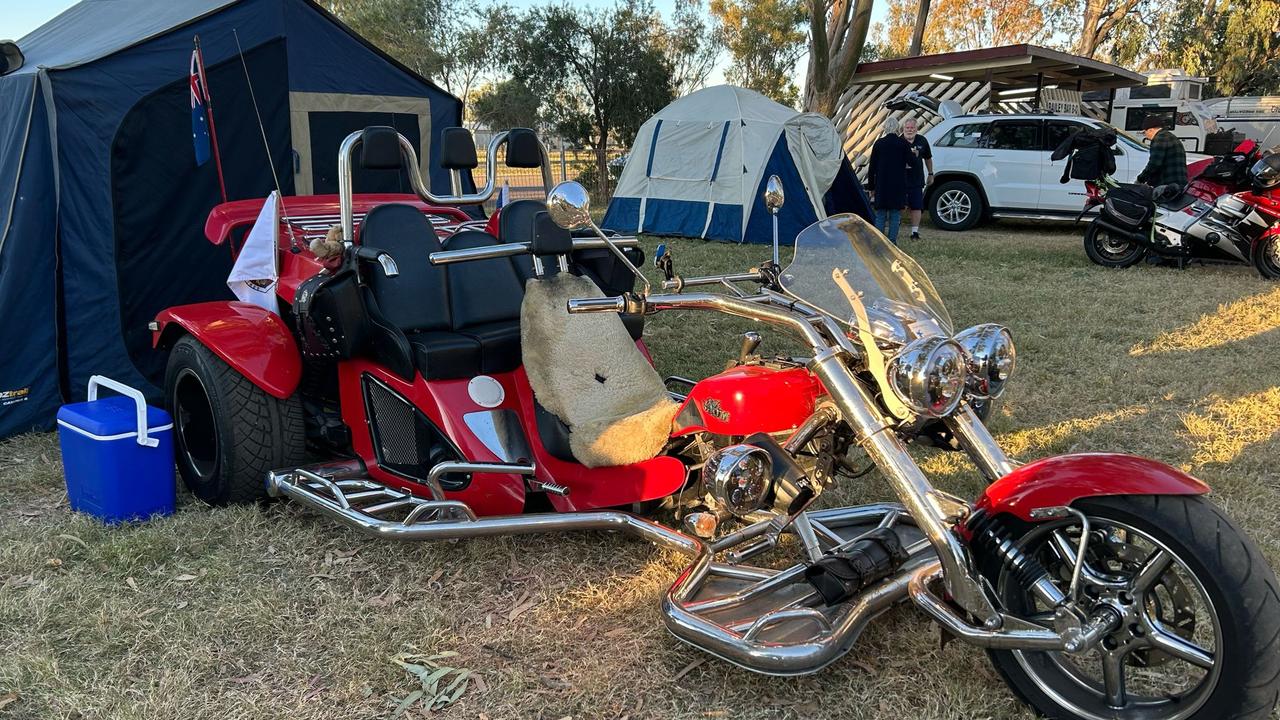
345 183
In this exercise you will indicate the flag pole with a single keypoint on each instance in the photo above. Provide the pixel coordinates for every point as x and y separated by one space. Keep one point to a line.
213 131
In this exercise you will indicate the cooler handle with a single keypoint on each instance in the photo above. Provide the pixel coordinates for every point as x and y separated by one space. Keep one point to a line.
138 400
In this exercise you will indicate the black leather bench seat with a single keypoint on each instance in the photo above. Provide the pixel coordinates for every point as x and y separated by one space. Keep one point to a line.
459 320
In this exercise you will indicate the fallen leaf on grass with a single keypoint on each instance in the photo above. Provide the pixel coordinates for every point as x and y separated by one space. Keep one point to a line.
30 513
75 540
441 685
133 584
688 669
522 606
8 699
54 562
186 577
181 605
320 576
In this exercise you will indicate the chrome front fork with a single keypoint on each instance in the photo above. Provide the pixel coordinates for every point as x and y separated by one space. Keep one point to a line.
910 484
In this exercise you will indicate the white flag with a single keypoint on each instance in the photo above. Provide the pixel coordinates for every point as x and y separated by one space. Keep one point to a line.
254 276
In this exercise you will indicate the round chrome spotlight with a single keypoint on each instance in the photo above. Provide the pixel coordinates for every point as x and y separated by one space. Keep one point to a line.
991 359
928 376
739 476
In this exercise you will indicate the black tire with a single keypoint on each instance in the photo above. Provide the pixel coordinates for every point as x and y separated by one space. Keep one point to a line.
956 206
1242 593
1266 257
228 432
1108 251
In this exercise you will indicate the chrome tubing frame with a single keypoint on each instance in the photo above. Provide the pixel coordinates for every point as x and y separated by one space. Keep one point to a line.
345 190
738 642
859 410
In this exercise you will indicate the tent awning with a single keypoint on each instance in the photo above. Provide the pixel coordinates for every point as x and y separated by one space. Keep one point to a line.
1008 65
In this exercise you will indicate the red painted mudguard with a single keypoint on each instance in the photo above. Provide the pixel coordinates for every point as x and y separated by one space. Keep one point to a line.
1064 479
252 340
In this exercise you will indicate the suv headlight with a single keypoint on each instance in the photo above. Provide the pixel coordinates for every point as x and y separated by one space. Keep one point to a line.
928 376
991 359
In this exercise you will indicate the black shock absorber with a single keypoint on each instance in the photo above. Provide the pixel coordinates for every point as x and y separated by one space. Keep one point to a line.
992 538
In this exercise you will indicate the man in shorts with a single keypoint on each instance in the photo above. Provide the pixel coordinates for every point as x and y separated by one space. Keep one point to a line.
921 157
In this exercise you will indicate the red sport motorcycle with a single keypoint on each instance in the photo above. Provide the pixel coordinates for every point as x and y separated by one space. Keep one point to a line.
1236 226
487 385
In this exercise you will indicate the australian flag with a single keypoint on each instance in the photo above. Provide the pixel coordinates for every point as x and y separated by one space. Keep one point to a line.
199 118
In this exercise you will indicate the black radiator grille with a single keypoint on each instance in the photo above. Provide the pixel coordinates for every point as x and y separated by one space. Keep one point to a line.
405 441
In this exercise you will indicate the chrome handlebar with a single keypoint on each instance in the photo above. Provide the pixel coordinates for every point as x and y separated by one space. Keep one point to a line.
448 257
679 283
579 306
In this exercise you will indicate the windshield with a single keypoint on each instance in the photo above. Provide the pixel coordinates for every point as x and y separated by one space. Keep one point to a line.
844 253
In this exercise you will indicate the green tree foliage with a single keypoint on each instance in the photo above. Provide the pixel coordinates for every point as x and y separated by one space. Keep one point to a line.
1234 42
764 38
691 45
447 41
598 74
506 104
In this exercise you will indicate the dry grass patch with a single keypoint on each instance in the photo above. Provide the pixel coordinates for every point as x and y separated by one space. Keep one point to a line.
274 612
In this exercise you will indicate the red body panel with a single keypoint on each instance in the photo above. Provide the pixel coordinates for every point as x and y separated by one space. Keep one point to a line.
1064 479
447 402
749 399
250 339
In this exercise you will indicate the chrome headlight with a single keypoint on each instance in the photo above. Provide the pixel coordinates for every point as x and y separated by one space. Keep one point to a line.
928 376
739 476
991 359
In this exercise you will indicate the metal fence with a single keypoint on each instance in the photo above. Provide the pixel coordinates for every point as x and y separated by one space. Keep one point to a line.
566 164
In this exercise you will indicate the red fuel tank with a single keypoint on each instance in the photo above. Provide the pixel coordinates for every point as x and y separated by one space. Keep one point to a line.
748 399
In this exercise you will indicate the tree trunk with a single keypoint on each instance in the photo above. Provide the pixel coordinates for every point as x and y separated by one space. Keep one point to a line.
834 51
602 165
917 35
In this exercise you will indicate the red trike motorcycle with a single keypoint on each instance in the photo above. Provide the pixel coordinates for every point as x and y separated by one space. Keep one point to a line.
497 385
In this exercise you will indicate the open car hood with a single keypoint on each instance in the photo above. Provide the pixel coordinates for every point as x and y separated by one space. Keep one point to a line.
912 100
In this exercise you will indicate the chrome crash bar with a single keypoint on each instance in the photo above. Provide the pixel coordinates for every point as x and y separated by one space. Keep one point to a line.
765 620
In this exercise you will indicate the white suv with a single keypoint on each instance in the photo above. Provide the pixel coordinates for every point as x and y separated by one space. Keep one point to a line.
998 165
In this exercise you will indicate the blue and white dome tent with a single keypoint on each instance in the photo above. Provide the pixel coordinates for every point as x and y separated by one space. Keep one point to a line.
698 169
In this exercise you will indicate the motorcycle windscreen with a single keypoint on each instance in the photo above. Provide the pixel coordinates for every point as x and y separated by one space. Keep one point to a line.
845 253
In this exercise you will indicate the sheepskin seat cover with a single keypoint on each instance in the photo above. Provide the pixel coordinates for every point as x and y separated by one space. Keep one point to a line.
587 371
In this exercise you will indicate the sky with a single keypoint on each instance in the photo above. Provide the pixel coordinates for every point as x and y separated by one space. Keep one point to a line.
19 17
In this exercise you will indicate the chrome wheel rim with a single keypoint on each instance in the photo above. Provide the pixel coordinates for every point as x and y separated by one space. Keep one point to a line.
1162 662
954 206
1113 248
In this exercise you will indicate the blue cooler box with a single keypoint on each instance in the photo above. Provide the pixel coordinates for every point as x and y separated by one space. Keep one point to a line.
117 454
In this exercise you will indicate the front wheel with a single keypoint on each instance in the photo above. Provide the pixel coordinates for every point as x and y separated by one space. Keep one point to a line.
228 433
1110 250
1266 257
1200 635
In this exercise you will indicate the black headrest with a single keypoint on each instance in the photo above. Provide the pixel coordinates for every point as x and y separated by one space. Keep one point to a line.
380 148
457 149
523 148
548 237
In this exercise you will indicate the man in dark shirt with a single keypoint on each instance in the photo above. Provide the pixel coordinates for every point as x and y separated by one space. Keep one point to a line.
921 156
1168 162
887 178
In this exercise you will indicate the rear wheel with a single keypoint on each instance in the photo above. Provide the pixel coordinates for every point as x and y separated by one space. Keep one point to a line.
1199 637
1110 250
1266 257
955 205
228 432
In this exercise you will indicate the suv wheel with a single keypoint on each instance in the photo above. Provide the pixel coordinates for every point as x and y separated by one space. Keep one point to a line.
955 205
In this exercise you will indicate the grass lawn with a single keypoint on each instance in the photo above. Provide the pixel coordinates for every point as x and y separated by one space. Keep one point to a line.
275 612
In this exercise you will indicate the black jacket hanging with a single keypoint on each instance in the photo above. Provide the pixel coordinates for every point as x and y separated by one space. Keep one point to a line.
1088 153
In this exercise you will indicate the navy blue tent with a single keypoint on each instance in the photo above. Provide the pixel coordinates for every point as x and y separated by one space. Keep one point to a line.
102 204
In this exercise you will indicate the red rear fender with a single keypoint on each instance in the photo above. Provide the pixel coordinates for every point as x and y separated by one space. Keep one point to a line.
1062 480
252 340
